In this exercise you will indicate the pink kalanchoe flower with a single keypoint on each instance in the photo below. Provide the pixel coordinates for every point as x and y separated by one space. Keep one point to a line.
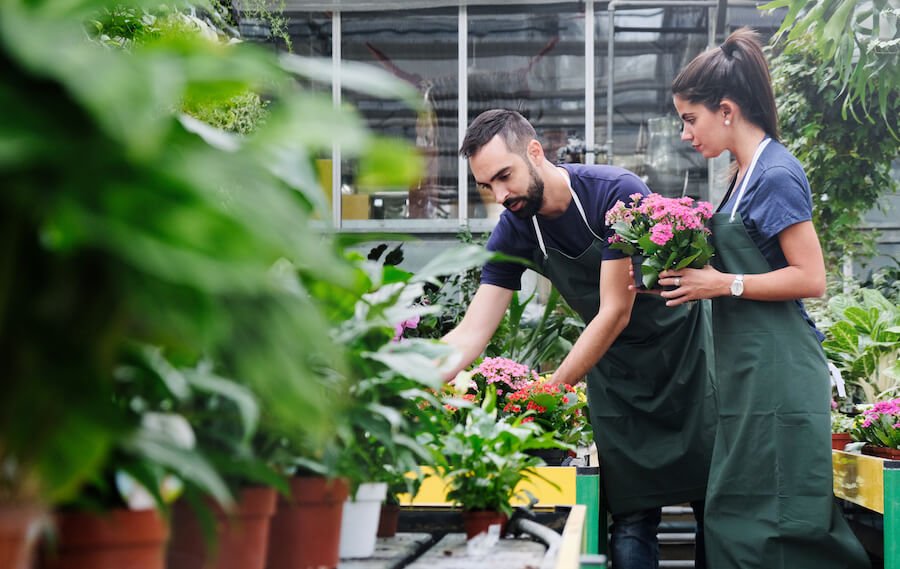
408 323
661 233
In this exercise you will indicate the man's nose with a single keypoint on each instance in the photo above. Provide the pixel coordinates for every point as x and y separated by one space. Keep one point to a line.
501 194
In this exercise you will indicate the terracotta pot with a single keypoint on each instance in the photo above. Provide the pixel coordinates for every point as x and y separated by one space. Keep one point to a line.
19 529
478 521
242 538
882 452
109 540
305 530
390 518
838 440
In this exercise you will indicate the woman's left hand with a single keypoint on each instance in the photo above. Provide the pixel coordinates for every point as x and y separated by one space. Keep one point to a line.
692 284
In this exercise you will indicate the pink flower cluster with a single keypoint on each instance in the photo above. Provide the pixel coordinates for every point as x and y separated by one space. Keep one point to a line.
889 409
408 323
665 216
510 374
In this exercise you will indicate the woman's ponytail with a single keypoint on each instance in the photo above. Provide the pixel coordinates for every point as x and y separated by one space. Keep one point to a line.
736 70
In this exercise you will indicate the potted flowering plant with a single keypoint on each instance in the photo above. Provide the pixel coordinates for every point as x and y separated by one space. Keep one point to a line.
483 459
506 375
661 233
879 427
557 409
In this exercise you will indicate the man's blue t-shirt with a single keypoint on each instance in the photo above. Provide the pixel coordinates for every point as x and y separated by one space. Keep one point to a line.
598 187
777 196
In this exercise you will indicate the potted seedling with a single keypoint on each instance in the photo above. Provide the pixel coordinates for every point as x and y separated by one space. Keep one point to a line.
483 459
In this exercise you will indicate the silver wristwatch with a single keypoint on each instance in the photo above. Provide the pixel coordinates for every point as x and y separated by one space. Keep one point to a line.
737 285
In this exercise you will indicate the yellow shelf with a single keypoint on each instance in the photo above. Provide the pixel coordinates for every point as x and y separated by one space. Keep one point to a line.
859 478
434 490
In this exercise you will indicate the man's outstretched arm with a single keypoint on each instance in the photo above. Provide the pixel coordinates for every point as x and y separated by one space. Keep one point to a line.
480 322
614 314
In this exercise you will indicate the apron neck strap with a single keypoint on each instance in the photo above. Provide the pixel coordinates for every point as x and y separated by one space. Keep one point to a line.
759 150
578 205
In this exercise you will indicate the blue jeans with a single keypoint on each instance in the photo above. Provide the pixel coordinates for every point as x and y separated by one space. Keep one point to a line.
634 544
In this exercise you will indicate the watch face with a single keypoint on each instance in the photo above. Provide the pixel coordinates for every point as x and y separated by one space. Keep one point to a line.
737 287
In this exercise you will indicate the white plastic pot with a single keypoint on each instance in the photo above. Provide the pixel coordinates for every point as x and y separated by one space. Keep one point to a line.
359 524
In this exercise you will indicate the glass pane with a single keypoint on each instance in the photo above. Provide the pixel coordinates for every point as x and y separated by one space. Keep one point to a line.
651 46
529 58
420 47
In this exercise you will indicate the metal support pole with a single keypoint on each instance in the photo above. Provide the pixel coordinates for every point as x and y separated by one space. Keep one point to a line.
892 514
462 111
610 78
337 205
589 87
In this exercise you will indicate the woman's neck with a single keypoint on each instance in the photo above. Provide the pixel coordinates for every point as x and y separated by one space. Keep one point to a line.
746 141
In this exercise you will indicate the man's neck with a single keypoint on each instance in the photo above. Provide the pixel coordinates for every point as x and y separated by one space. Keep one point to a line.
557 196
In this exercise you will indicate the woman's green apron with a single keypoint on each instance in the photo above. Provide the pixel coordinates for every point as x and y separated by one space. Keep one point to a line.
650 395
769 503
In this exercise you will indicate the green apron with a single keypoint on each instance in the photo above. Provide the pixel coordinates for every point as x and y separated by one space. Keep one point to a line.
769 503
650 396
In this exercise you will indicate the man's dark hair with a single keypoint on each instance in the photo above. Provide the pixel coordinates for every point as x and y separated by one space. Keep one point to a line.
512 127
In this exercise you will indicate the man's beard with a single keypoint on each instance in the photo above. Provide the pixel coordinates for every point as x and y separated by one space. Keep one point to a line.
532 201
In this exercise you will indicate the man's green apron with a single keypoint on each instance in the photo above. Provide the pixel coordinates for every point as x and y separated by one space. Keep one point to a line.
769 503
650 396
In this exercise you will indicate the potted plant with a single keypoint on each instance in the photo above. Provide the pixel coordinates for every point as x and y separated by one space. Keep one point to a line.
556 409
389 387
841 425
484 458
119 514
123 219
661 233
305 530
879 427
504 374
206 534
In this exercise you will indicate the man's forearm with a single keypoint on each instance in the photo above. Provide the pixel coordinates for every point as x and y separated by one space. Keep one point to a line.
467 350
593 343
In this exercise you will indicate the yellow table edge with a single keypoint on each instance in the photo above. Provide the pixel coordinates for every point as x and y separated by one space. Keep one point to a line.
433 491
859 478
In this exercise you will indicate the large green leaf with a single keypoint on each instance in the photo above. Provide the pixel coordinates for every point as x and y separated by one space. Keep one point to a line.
453 261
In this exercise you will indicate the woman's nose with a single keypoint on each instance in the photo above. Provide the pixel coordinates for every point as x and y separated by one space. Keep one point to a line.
685 134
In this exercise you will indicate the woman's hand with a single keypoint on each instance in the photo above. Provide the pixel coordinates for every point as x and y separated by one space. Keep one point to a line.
694 284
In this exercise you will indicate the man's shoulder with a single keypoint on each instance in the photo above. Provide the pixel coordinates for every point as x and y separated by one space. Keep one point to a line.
600 172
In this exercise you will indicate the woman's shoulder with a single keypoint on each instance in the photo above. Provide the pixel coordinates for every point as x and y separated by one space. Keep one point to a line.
777 159
779 168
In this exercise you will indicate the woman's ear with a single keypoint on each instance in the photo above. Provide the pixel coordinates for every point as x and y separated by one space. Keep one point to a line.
727 110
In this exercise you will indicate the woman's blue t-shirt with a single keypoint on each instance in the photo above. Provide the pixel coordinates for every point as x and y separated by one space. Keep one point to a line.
777 196
598 188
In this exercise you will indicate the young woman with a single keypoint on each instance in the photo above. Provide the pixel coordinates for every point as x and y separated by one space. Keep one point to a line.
769 500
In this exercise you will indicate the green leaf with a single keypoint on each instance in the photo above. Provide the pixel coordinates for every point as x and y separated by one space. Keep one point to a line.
453 261
843 337
241 396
